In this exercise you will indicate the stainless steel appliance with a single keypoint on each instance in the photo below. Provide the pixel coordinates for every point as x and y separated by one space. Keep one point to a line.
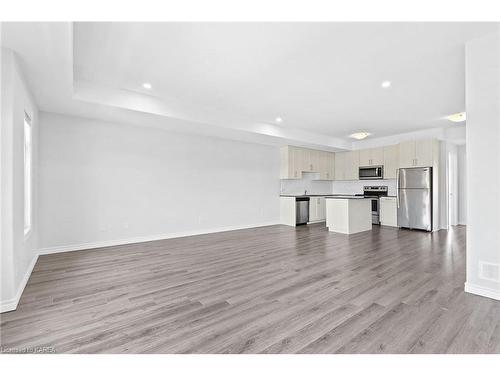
371 173
414 199
375 192
301 210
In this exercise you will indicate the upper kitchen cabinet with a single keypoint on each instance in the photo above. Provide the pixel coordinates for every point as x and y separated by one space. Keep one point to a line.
424 156
330 166
295 160
290 162
312 160
371 156
340 166
391 161
416 153
352 165
347 165
326 165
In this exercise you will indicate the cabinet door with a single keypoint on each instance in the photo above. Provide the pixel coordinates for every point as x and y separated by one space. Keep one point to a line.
313 209
314 161
388 212
391 161
423 153
407 154
340 158
330 164
377 156
293 162
322 165
352 165
284 163
365 157
301 160
321 208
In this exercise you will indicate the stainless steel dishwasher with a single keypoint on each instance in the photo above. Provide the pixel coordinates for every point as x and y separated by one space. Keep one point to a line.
301 210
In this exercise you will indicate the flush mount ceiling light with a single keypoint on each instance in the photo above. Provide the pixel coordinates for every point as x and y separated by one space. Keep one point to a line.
278 120
360 135
457 117
386 84
147 85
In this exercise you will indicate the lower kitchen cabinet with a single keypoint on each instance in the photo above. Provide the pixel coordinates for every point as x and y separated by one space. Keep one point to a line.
317 209
388 211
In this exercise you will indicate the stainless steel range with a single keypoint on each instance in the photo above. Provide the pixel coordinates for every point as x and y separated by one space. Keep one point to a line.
375 192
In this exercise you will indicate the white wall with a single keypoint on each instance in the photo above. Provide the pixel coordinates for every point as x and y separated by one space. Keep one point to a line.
462 184
483 162
113 182
18 252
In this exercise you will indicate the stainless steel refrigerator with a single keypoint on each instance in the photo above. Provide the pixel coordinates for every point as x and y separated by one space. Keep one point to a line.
414 199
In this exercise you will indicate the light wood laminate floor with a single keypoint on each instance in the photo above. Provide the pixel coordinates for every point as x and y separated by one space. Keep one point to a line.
273 289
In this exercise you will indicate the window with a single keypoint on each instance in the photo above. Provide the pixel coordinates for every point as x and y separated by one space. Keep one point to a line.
27 174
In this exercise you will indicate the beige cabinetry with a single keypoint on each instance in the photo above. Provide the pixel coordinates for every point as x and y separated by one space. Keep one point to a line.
317 209
416 153
388 211
290 163
295 160
344 166
340 166
391 161
371 156
347 166
424 153
352 165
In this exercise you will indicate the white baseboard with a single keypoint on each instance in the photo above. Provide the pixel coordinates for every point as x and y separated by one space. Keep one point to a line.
11 304
481 291
132 240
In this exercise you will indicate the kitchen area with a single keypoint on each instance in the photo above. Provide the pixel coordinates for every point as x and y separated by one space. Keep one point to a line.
350 191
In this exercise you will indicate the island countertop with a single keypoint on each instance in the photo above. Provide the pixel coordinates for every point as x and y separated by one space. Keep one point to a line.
347 197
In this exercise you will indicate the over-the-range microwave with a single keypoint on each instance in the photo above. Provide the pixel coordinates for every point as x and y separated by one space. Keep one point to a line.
375 172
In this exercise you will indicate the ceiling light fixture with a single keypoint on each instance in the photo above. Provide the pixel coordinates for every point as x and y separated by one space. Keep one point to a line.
147 85
386 84
457 117
278 120
360 135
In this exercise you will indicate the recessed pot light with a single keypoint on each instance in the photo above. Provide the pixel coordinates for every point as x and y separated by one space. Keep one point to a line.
386 84
360 135
147 85
278 119
457 117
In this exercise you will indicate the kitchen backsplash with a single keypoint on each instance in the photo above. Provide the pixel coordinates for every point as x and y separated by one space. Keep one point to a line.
356 187
311 183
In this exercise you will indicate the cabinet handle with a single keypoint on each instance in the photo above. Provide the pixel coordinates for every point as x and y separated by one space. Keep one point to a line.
311 167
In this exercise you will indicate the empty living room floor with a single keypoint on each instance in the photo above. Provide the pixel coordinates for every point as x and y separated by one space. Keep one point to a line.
272 289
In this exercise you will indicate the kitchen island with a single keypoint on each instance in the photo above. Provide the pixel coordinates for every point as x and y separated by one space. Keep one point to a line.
348 214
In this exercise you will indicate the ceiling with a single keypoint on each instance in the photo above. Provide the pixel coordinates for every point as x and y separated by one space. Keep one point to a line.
323 79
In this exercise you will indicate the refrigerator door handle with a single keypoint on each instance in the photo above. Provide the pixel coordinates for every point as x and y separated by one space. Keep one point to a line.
397 187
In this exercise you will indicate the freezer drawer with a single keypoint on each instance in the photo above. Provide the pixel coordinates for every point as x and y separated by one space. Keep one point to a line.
415 209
